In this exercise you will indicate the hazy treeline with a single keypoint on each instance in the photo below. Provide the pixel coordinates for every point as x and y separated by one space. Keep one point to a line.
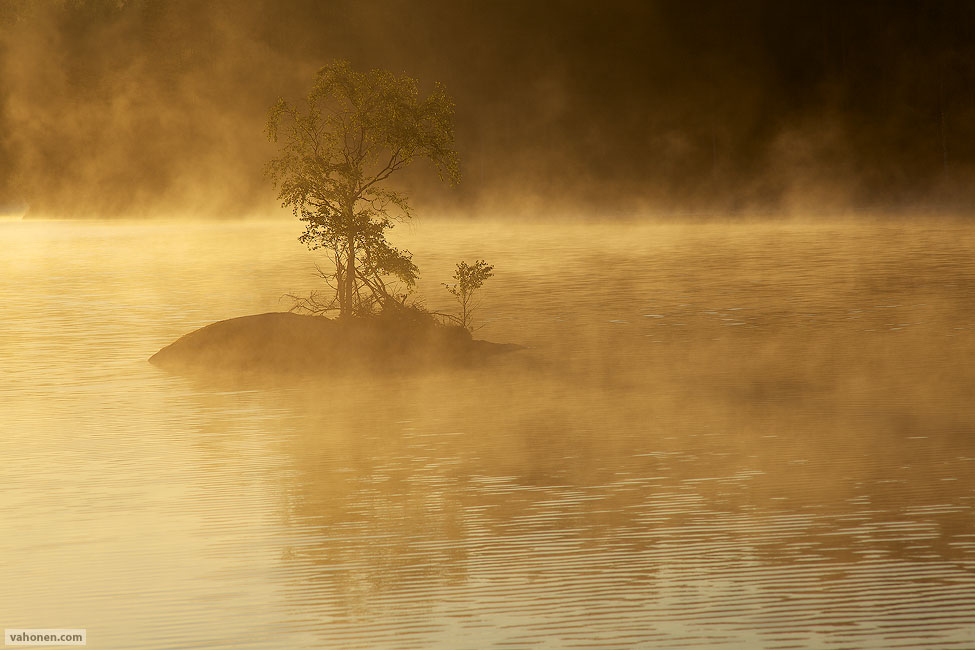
130 107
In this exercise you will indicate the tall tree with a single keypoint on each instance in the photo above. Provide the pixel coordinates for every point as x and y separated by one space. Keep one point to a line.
338 147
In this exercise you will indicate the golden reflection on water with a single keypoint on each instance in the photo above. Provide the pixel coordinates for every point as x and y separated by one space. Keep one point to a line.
733 436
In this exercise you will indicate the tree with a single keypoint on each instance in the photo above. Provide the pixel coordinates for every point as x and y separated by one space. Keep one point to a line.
352 132
470 278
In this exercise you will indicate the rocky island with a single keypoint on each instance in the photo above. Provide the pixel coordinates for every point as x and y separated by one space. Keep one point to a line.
285 342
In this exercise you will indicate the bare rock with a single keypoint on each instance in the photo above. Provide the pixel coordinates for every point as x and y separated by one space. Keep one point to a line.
283 342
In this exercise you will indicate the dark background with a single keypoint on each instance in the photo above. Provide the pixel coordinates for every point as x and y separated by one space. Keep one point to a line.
146 107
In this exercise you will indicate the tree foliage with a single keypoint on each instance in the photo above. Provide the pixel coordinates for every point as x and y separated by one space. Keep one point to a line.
469 278
338 148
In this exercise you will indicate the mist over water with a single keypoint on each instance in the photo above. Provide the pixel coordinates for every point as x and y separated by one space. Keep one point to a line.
726 435
737 433
122 108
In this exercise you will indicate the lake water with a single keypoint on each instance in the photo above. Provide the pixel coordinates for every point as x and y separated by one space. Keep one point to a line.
757 436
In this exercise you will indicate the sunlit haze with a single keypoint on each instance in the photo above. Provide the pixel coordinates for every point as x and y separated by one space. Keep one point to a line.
468 325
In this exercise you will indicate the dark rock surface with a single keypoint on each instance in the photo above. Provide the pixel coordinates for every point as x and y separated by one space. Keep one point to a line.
283 342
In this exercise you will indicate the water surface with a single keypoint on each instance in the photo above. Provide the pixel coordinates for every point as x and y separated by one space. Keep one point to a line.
721 436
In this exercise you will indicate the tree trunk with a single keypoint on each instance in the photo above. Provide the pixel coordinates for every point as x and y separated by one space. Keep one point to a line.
348 308
340 280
